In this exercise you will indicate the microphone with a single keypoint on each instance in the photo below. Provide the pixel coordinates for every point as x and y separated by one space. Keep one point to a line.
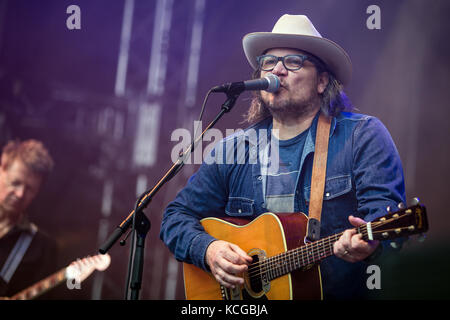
270 83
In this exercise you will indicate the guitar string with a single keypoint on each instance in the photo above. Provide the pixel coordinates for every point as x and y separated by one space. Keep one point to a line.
273 262
275 268
323 246
294 253
317 255
301 252
313 246
317 248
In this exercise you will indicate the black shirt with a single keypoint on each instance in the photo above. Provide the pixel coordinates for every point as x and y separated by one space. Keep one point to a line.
39 261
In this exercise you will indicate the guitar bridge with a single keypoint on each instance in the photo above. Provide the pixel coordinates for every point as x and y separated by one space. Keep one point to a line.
231 294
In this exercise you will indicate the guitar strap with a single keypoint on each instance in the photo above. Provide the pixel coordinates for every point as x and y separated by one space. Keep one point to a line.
318 177
17 253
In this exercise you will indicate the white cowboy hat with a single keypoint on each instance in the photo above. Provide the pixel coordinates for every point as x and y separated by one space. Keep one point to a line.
298 32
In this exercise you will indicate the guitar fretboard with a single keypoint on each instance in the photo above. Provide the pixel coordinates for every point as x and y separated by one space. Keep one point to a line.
291 260
41 287
295 259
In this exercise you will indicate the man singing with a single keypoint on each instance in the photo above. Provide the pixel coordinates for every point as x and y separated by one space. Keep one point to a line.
364 174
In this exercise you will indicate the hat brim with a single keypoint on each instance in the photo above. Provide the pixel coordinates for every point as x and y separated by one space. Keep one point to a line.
334 56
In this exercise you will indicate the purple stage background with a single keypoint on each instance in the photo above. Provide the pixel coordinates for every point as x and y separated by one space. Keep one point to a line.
106 99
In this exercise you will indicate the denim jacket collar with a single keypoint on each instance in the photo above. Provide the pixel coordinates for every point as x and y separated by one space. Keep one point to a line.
267 122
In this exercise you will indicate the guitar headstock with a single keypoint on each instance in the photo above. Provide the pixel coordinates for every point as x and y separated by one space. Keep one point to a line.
82 268
401 223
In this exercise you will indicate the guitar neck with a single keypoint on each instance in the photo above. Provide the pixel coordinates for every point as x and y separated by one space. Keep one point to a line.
42 286
298 258
79 270
311 253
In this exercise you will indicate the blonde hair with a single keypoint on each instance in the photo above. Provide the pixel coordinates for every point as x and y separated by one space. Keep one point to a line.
31 152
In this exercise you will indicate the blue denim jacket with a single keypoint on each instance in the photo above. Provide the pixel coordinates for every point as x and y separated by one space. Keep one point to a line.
364 176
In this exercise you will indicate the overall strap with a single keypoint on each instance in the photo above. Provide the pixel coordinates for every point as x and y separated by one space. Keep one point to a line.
17 253
318 177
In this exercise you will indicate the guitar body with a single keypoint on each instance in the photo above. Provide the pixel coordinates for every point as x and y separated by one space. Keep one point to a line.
266 236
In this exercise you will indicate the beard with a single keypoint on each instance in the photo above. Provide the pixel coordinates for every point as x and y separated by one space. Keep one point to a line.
290 107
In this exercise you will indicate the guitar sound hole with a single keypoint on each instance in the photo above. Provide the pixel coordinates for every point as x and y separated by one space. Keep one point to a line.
254 275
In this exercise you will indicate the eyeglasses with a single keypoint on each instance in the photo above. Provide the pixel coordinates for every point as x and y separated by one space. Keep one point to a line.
291 62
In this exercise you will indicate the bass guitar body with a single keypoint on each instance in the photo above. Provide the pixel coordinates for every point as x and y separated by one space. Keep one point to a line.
266 236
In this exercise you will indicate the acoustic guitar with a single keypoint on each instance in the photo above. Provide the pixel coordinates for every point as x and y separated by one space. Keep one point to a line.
75 273
284 267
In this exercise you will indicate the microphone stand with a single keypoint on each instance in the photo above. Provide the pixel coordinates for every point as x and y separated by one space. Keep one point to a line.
137 219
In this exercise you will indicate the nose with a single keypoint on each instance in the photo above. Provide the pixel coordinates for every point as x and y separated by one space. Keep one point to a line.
279 69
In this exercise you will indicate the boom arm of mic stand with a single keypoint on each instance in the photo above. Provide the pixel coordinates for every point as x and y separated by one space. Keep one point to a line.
123 227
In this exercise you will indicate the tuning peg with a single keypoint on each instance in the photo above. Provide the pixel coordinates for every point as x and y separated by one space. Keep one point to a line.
401 205
415 201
